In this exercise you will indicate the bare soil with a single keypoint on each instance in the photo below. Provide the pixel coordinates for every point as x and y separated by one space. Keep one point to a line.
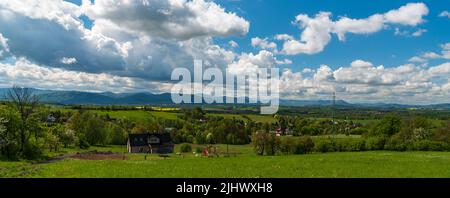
98 155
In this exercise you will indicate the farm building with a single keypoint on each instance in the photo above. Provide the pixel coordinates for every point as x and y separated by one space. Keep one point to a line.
150 143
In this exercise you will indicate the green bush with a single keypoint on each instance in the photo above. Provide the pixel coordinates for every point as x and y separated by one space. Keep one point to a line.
358 131
323 145
186 148
396 143
288 145
304 145
388 126
349 144
118 136
32 151
273 143
83 144
375 143
199 150
428 145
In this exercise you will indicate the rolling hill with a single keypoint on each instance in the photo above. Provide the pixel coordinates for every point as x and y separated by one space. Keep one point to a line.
109 98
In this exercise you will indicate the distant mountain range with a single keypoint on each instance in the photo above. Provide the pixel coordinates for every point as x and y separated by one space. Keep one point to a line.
108 98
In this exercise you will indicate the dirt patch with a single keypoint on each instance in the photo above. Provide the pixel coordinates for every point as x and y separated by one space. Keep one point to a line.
99 155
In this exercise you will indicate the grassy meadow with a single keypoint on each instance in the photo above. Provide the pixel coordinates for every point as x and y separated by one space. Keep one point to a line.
244 165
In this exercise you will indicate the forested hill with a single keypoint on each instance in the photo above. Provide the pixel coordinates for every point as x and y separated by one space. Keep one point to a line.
108 98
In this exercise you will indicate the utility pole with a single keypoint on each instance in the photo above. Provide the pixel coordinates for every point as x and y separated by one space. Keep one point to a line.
333 113
334 105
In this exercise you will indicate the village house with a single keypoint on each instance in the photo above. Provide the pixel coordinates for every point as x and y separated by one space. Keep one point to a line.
150 143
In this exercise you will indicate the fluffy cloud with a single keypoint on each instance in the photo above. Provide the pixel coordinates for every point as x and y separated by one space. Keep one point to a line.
445 50
419 32
424 57
47 32
317 30
369 75
233 44
307 70
4 49
68 61
315 36
417 59
25 73
365 82
416 33
142 39
174 19
445 14
409 14
283 37
369 25
250 63
264 44
284 62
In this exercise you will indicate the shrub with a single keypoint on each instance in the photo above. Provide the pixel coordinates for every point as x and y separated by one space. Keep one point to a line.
360 145
31 151
288 145
375 143
304 145
396 143
323 145
83 144
259 142
118 136
186 148
349 144
388 126
67 137
200 139
190 139
210 138
273 143
358 131
198 150
427 145
265 143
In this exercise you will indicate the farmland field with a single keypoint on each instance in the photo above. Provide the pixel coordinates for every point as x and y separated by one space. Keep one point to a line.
140 115
244 164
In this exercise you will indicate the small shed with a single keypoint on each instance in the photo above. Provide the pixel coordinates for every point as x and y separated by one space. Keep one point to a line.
150 143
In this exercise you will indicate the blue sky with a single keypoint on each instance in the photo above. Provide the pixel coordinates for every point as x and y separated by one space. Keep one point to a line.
393 51
270 17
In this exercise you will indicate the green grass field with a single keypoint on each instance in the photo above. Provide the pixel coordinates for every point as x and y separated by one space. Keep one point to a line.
140 115
245 164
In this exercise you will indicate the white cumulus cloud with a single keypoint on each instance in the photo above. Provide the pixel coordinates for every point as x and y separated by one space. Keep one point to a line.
317 30
143 39
68 61
174 19
445 14
4 49
264 44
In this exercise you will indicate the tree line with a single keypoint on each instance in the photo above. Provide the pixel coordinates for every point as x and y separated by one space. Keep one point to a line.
390 133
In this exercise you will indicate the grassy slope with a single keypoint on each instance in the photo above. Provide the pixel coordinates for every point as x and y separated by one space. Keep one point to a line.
248 165
139 115
366 164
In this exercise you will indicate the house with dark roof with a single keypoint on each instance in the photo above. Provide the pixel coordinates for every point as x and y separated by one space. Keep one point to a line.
150 143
